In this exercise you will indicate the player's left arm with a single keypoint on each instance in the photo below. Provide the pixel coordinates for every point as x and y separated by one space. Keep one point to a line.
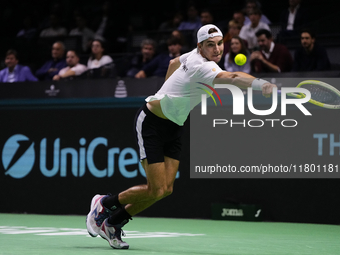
173 66
244 80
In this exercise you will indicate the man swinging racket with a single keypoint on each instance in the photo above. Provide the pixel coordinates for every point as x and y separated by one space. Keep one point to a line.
159 125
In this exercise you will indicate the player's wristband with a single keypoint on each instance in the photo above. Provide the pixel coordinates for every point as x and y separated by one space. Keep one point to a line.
258 83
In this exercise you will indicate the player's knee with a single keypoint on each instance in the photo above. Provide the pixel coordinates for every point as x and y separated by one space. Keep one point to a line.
160 192
168 191
157 193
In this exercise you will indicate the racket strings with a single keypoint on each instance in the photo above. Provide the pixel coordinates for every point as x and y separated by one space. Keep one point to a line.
322 94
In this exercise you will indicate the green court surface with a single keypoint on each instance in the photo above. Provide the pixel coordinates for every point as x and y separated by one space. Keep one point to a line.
48 234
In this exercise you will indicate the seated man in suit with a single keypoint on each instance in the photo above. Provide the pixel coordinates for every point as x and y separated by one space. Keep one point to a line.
15 72
55 64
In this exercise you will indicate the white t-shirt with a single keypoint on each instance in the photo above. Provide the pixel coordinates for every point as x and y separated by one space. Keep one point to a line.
78 69
94 63
181 92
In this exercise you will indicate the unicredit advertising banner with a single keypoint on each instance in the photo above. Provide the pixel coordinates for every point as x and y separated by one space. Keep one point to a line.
62 145
49 154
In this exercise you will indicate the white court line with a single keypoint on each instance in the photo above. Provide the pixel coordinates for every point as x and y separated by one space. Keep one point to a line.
45 231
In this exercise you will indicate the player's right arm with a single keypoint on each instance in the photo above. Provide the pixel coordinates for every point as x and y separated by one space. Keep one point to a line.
173 66
243 81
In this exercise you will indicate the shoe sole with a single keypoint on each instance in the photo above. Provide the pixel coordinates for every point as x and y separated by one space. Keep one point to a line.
90 230
121 248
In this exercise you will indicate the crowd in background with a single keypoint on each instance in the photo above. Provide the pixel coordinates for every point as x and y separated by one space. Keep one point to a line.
247 30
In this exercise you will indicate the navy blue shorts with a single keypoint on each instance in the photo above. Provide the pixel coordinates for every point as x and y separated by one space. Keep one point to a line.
157 137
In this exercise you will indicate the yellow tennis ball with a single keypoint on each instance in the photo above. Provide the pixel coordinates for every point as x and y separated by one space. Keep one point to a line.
240 59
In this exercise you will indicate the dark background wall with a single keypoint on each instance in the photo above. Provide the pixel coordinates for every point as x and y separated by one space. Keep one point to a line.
148 15
284 200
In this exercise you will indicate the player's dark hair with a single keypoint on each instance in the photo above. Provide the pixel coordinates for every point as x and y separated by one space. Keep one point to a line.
265 32
243 50
212 30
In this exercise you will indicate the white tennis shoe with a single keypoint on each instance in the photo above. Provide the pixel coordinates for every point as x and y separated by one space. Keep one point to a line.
113 234
98 213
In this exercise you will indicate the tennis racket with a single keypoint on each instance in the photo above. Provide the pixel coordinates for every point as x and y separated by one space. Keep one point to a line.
322 94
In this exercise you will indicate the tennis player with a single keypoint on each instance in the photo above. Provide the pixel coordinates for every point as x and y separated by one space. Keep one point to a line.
158 126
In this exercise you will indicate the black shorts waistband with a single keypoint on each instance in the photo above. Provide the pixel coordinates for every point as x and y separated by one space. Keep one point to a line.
154 116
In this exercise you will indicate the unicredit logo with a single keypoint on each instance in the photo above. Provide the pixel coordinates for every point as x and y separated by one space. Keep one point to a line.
21 155
18 156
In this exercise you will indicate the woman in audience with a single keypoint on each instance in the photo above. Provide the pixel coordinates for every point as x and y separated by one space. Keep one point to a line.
97 58
236 46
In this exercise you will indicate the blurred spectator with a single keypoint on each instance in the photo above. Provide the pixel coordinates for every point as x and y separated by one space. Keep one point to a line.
237 46
179 35
272 57
311 56
137 63
206 17
234 29
248 31
254 4
28 31
159 65
54 65
55 28
239 17
97 58
104 25
193 21
173 23
15 72
293 18
51 7
73 67
83 31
